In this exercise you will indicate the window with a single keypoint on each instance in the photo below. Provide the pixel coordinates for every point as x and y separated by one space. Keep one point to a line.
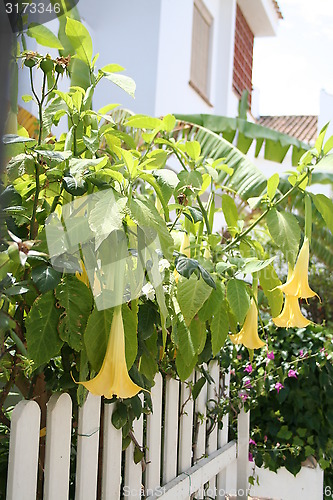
201 43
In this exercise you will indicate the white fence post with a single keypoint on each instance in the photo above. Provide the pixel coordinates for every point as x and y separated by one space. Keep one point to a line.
58 447
170 430
200 445
154 431
185 426
112 451
87 449
133 471
212 394
23 451
243 454
222 439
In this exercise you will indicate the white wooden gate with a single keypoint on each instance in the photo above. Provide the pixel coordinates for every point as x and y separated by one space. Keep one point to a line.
183 462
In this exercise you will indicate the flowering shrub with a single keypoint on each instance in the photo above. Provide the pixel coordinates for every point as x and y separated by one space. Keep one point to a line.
289 389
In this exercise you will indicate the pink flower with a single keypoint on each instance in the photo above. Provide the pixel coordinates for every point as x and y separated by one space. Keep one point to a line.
247 384
248 369
232 371
251 457
239 356
301 353
292 374
265 438
279 386
243 396
270 355
252 441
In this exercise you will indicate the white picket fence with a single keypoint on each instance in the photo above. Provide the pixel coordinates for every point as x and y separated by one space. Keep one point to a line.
175 468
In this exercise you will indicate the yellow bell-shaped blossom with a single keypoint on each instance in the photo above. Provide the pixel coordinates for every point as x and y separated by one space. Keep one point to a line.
291 315
113 378
248 336
83 276
184 249
297 283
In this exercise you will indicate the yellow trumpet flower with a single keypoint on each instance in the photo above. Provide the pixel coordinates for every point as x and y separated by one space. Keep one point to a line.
83 276
291 315
248 336
297 284
113 378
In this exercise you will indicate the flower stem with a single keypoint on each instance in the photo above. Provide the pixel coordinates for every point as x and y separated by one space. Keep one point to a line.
263 215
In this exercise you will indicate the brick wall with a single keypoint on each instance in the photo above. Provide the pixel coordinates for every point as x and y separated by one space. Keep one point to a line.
243 56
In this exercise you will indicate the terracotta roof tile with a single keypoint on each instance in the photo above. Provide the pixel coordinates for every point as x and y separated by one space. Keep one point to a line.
302 127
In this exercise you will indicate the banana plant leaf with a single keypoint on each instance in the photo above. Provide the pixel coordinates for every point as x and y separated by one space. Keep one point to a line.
276 145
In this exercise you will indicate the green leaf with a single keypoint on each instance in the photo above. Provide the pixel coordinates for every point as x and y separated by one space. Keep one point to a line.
96 336
76 298
197 387
219 328
185 343
269 281
142 121
285 232
272 185
80 40
193 149
124 82
106 216
325 206
186 267
16 139
284 433
230 211
238 298
44 36
167 180
191 295
45 277
256 265
26 98
212 303
144 213
43 340
184 370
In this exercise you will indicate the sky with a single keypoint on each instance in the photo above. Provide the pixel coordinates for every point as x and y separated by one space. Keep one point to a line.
290 69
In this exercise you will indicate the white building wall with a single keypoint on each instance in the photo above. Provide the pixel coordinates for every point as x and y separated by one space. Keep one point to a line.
174 94
125 32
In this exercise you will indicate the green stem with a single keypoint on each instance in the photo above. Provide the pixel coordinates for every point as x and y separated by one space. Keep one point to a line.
263 215
33 223
204 214
56 199
308 217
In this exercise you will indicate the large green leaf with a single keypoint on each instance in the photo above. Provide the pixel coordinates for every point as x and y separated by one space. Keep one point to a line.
45 277
325 206
285 231
144 213
187 341
238 298
107 216
44 36
276 144
247 179
212 303
43 340
191 295
219 327
230 211
77 301
80 40
126 83
97 334
269 281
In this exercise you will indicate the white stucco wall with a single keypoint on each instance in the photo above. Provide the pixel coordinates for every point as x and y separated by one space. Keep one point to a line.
174 94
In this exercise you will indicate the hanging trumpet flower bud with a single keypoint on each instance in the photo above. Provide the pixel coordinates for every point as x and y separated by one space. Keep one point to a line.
297 284
291 315
113 378
248 336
